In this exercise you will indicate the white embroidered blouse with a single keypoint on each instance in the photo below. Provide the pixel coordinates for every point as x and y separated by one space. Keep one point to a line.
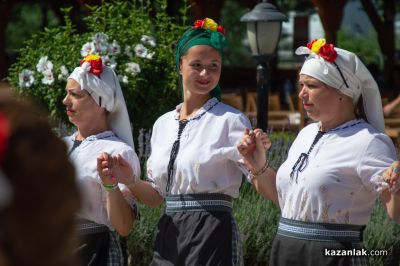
207 161
84 158
343 177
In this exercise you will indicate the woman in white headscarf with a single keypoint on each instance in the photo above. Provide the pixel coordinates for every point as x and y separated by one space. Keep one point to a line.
96 106
336 168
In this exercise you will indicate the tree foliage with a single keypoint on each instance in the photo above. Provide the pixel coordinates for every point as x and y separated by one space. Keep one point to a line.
148 93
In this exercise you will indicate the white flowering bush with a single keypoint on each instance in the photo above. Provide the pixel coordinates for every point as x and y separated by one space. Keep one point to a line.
135 38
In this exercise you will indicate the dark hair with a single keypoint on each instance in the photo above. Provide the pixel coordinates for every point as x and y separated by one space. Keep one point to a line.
359 109
37 225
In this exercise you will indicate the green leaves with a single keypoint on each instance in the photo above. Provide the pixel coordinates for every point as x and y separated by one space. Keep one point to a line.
148 94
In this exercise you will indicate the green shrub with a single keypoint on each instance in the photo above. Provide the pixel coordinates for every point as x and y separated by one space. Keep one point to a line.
383 234
114 29
140 242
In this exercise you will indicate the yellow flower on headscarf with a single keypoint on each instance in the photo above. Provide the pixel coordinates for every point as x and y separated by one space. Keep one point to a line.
91 57
95 62
316 45
210 24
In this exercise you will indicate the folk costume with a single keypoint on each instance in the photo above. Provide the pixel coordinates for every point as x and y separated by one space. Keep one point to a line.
330 181
194 166
100 244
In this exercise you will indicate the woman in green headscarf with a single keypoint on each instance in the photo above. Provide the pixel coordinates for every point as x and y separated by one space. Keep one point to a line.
194 164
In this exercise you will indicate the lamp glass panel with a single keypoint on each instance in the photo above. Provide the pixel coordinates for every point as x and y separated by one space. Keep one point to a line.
263 36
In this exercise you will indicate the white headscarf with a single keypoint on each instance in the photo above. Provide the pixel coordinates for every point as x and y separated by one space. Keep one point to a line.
107 93
359 80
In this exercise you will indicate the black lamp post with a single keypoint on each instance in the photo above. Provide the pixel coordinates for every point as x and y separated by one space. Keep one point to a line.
264 25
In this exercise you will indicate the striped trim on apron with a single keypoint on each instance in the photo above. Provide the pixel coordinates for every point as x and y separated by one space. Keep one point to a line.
198 202
320 231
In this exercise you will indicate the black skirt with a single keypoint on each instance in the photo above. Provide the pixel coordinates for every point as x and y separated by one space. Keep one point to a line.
190 233
93 243
97 245
307 244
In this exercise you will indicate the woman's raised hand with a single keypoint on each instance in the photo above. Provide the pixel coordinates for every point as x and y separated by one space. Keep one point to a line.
117 168
392 177
104 168
253 147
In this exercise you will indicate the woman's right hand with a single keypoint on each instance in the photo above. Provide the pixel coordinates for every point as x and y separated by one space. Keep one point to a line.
120 170
253 147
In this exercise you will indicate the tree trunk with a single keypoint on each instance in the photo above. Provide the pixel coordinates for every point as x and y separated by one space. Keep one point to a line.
331 14
385 32
5 18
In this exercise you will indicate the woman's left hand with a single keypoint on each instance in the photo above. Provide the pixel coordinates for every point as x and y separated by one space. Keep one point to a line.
105 164
392 177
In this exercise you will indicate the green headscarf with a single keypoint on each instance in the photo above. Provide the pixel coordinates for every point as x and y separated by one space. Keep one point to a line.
204 32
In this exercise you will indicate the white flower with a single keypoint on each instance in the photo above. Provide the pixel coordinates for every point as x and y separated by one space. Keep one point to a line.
124 79
100 37
148 40
86 66
140 50
109 61
64 70
44 65
101 48
26 78
88 48
100 42
150 55
128 51
48 77
115 48
132 68
63 73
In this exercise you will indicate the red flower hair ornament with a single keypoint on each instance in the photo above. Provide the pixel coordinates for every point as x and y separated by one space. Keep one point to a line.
209 24
319 48
92 64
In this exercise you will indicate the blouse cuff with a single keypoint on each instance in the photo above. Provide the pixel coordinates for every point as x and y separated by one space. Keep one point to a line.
244 170
132 202
156 187
379 183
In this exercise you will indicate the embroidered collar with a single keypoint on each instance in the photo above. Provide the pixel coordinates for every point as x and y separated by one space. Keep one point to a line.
101 135
206 107
347 124
302 161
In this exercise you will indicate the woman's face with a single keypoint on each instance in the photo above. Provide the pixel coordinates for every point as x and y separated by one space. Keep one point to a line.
320 101
81 108
200 68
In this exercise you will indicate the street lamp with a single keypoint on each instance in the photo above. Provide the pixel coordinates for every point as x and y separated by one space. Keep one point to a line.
264 25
